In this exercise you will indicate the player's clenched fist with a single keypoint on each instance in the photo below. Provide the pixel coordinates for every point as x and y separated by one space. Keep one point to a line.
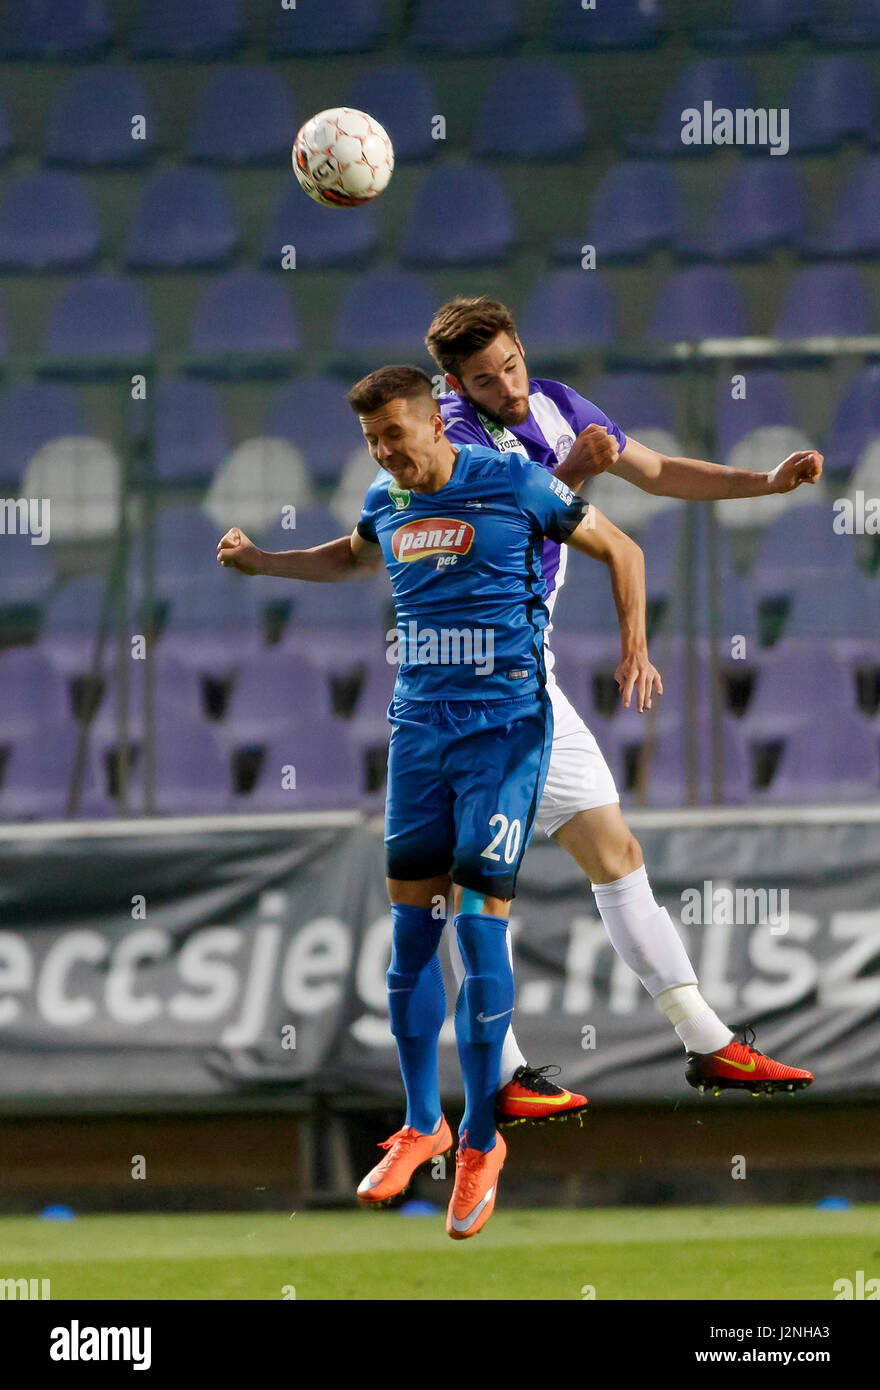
804 466
635 674
592 452
237 551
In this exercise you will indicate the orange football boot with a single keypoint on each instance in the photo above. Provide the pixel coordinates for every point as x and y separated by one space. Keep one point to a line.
530 1099
741 1067
407 1151
476 1183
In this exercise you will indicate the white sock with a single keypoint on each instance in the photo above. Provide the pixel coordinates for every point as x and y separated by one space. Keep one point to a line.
698 1026
511 1057
644 936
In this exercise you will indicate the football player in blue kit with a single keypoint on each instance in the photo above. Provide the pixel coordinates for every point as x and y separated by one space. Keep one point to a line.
462 531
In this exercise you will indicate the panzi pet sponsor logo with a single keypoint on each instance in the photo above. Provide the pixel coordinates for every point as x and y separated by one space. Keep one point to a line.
435 535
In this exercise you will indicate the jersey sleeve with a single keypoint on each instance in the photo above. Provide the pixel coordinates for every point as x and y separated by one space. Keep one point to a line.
461 430
586 413
554 509
366 527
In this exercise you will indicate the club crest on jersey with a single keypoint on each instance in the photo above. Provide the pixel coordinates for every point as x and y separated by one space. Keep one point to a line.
400 496
432 535
562 447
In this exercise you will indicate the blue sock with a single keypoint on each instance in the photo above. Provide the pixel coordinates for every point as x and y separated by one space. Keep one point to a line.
417 1009
482 1017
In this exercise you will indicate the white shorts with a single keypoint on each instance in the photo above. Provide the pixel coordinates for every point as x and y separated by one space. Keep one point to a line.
578 779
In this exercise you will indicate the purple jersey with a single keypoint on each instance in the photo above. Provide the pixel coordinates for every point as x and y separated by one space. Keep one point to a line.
556 416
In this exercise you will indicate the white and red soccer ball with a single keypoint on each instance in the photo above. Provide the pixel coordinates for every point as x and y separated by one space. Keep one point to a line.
343 157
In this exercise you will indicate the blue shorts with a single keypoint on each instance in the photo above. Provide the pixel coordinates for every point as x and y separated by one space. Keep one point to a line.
464 781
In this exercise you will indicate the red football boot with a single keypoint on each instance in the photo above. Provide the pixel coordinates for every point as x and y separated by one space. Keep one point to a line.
741 1067
531 1099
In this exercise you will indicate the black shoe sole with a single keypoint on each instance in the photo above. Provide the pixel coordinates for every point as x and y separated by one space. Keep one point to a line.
760 1088
508 1121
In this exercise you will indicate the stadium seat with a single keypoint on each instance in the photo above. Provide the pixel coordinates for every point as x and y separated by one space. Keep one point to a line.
314 525
666 767
635 209
183 220
831 99
723 82
759 452
630 507
27 576
193 775
45 29
249 313
338 626
458 28
855 421
866 478
48 222
699 302
244 115
833 605
275 692
38 774
82 477
358 474
177 695
853 229
384 312
70 621
547 121
312 29
32 413
185 551
98 322
664 541
313 414
760 23
857 28
835 760
635 401
213 624
822 300
402 99
90 124
801 543
210 29
767 402
320 759
190 435
35 695
482 232
568 312
760 206
799 683
318 240
253 485
624 24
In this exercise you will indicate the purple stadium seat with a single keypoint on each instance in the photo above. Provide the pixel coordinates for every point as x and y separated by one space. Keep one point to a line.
32 413
855 422
248 312
97 319
759 23
834 760
722 82
700 302
177 695
482 231
825 300
375 693
569 311
635 209
460 28
384 312
345 240
70 621
858 27
834 605
313 415
37 777
547 120
34 694
185 551
273 693
338 626
72 30
854 229
184 219
767 402
666 782
663 543
26 576
402 99
314 526
760 206
213 624
799 544
632 400
326 769
313 28
191 436
799 682
48 222
244 116
206 30
90 124
585 603
623 24
193 775
831 99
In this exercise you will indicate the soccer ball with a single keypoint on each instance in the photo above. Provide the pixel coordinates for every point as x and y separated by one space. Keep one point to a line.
342 157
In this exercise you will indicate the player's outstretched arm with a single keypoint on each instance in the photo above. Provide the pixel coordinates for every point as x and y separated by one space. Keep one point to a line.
699 481
345 558
599 538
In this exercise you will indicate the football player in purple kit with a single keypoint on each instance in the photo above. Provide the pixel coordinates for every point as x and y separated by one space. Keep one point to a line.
492 401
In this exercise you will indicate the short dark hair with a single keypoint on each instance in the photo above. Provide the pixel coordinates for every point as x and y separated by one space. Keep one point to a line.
388 384
462 327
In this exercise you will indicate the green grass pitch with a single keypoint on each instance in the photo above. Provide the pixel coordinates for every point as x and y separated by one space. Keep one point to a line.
632 1253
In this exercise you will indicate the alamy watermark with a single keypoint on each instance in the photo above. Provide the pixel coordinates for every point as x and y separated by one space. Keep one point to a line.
445 646
26 516
723 905
719 125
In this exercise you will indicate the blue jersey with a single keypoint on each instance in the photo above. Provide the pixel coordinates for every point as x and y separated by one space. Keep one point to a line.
466 572
557 414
